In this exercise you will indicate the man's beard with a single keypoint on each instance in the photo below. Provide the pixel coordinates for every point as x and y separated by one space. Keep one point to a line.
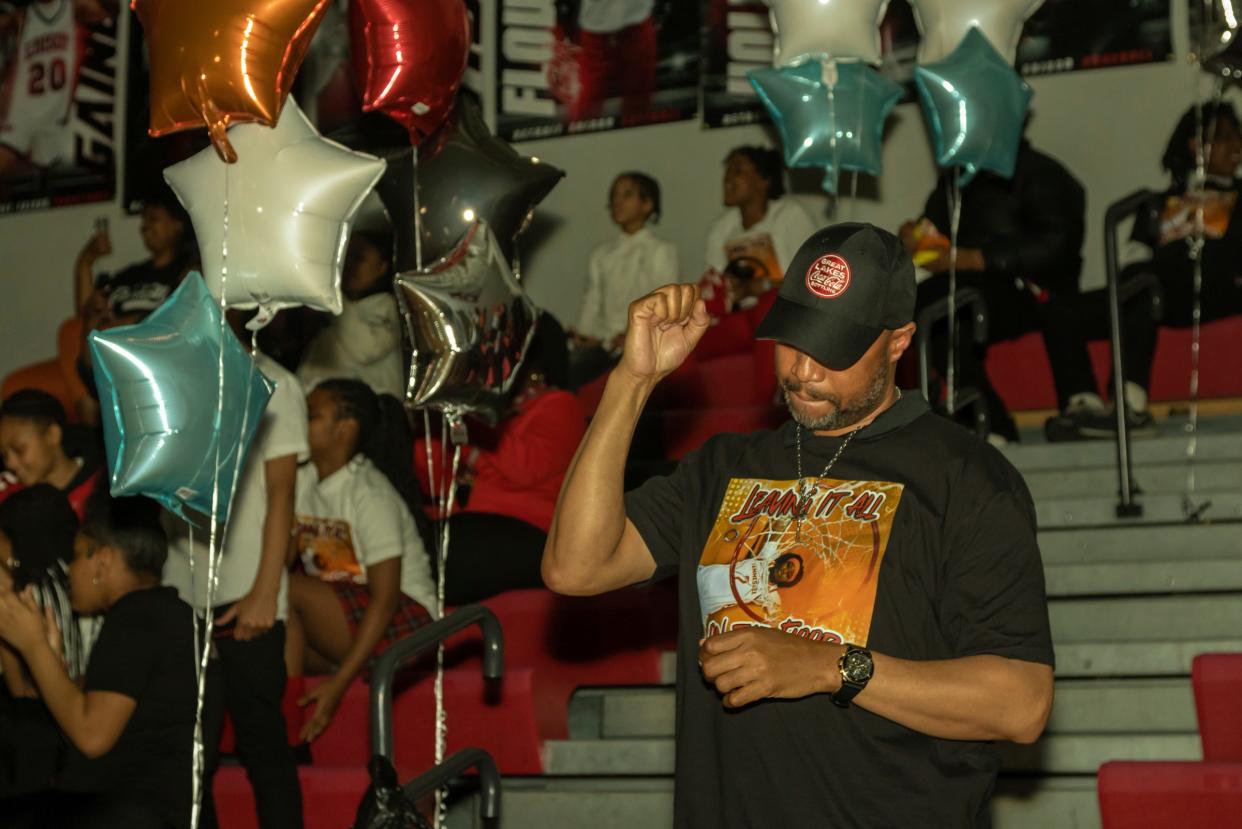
842 416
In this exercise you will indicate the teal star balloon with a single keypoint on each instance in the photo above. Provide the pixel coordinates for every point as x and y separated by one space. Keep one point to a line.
167 432
830 115
975 104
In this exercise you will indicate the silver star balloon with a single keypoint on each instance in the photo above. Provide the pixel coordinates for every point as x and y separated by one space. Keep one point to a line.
468 323
272 228
836 29
943 23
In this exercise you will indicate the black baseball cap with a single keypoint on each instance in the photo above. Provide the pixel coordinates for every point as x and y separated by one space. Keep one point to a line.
846 285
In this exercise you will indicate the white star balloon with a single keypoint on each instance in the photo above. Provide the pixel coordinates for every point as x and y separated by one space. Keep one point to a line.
272 228
835 29
943 24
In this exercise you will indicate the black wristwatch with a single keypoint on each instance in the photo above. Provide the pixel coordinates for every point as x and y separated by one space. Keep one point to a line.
856 669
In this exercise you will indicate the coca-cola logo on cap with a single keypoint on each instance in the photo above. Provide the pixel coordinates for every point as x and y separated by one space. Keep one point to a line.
828 277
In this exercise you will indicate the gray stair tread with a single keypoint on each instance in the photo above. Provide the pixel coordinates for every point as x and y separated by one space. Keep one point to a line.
1056 753
1128 577
623 803
1218 440
1100 510
1171 618
1152 705
1151 479
1135 659
1100 545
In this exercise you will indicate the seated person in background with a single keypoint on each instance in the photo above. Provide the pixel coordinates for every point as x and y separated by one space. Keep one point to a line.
364 341
132 720
131 294
367 576
508 482
37 527
620 271
33 446
1167 225
761 227
1019 245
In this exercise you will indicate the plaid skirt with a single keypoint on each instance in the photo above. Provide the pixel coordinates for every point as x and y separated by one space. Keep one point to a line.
355 598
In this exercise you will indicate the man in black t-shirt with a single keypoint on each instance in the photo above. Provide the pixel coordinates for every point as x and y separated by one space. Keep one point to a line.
862 598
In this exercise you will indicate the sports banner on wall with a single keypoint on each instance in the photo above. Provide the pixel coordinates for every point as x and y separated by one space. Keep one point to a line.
544 68
58 65
1063 36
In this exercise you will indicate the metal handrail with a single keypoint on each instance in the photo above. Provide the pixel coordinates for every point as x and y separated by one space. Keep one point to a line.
938 310
385 670
1118 211
458 764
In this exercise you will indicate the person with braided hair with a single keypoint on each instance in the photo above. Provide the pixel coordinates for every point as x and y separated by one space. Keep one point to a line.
366 576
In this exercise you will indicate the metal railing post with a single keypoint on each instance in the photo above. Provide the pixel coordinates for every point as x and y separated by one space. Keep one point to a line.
1127 506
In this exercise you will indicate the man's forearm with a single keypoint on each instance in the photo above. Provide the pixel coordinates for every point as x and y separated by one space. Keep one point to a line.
590 514
83 283
983 697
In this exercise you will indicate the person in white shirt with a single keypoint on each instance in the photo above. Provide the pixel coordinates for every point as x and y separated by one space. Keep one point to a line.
367 576
364 341
247 675
620 271
762 228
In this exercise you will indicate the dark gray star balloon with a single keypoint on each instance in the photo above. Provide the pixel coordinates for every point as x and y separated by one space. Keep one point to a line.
468 323
464 173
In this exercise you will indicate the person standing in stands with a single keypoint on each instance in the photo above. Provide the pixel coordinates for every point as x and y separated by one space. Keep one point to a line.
619 272
1167 225
247 677
761 228
617 48
887 622
132 293
366 579
131 721
1020 246
364 341
35 450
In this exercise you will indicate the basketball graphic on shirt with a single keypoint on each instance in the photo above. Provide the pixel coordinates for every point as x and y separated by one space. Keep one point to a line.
326 548
828 277
815 577
39 83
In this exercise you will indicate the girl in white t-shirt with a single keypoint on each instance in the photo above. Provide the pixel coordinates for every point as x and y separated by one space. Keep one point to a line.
367 577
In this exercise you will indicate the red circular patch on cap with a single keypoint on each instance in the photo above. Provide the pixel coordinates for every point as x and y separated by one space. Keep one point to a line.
828 277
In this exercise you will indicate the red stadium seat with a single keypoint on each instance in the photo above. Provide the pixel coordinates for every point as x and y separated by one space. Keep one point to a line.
1155 795
1217 680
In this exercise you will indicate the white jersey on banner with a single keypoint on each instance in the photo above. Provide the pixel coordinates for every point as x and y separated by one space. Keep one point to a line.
39 83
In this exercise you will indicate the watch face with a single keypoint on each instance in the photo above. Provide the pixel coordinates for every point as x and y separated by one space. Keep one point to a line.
857 666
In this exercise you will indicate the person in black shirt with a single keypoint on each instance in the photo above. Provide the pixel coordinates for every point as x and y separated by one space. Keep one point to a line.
129 295
133 718
863 687
1161 288
1020 245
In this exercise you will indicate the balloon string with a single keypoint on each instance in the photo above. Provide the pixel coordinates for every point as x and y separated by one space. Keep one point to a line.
447 503
955 220
418 213
1203 151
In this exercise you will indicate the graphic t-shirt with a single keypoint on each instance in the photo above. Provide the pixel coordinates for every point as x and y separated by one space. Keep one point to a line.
920 545
143 287
354 519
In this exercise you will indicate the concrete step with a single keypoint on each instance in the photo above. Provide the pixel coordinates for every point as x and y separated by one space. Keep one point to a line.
1172 542
1136 577
1168 508
1152 479
1054 754
1109 706
1218 441
624 803
1161 618
1137 659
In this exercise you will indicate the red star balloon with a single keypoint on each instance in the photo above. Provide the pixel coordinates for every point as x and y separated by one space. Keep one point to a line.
221 62
409 58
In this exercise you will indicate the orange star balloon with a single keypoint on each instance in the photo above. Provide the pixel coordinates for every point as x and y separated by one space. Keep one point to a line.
221 62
